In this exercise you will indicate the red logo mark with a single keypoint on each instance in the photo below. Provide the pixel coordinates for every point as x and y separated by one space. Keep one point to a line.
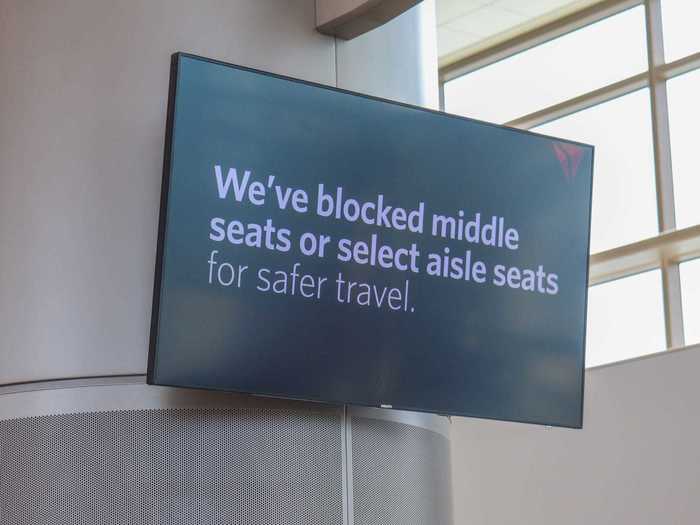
569 156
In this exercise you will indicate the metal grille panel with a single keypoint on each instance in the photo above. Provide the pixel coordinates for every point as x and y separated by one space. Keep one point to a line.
194 467
400 474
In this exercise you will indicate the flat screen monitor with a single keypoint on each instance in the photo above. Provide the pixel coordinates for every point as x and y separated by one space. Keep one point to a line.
323 245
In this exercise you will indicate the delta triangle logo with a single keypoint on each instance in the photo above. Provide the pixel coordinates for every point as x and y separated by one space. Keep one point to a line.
569 156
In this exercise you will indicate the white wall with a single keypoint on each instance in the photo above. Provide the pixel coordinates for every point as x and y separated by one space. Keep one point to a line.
82 102
83 90
636 461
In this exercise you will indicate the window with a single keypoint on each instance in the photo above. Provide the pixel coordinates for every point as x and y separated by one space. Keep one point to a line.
684 117
589 77
552 72
690 286
625 319
624 195
680 19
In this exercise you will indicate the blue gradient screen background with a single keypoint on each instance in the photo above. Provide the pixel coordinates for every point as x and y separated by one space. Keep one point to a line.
467 349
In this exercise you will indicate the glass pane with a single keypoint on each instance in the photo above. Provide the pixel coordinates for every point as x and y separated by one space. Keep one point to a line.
573 64
625 319
690 290
680 26
624 194
684 115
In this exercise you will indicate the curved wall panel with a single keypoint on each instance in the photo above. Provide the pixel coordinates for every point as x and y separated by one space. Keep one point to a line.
194 466
134 454
398 473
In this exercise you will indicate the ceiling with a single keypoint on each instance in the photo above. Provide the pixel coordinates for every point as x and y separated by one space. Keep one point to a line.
466 23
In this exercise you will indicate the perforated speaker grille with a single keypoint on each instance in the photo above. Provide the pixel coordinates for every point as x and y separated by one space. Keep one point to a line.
401 474
193 467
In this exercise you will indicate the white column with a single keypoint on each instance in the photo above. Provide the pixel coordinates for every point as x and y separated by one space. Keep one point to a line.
397 61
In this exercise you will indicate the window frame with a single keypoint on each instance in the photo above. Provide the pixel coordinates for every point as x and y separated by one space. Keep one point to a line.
667 250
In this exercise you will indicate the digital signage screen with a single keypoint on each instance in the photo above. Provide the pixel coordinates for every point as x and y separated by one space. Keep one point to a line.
323 245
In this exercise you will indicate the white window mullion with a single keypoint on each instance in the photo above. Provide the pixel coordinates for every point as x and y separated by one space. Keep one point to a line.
673 309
